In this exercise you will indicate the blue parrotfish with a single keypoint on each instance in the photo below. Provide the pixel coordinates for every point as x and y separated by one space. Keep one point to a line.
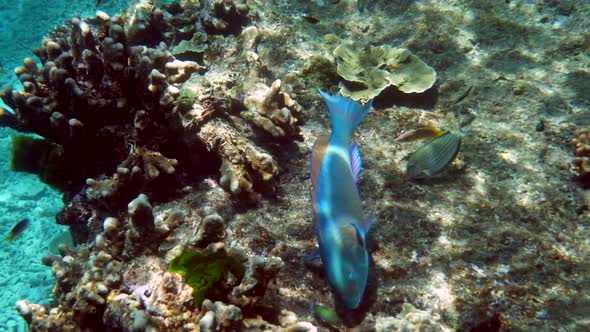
339 222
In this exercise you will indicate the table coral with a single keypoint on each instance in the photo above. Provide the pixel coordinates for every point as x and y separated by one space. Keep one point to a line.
369 70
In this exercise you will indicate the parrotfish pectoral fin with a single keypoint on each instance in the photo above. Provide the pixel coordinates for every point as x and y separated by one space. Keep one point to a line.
346 113
360 235
356 162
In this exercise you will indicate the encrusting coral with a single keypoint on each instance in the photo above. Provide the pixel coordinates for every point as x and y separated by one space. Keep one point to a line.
582 158
369 70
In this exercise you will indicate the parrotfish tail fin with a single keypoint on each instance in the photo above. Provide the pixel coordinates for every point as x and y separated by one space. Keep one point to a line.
346 113
10 237
356 162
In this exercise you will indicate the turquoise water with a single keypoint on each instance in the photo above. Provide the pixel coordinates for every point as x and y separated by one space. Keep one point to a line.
498 240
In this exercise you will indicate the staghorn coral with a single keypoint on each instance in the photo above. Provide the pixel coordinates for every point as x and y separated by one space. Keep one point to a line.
582 156
243 163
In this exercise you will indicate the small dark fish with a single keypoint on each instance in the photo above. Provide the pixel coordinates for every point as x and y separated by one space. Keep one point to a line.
420 133
540 126
18 229
434 155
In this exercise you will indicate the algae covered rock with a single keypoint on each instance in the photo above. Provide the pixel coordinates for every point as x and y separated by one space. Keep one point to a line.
369 70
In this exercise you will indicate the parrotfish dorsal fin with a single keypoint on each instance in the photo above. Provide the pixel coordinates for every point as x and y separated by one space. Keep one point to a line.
356 164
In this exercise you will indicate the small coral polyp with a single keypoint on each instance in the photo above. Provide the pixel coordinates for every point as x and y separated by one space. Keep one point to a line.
582 158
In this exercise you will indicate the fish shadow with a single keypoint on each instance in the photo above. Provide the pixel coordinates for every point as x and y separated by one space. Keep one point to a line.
391 97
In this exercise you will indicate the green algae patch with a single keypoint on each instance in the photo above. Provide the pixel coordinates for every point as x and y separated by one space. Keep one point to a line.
368 70
41 157
206 272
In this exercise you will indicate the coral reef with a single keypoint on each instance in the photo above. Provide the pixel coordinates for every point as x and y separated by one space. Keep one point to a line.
368 71
121 279
195 117
118 139
582 156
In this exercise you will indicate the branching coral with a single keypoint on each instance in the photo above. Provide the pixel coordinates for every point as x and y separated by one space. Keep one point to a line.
91 87
273 110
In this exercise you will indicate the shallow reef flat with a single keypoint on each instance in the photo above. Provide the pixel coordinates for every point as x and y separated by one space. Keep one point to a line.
209 152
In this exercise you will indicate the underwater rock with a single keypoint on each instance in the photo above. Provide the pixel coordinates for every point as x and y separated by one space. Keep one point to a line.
369 70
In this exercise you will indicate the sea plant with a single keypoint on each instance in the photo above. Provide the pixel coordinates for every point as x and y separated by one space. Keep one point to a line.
206 272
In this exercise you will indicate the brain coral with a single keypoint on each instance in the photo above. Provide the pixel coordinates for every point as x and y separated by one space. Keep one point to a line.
369 70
